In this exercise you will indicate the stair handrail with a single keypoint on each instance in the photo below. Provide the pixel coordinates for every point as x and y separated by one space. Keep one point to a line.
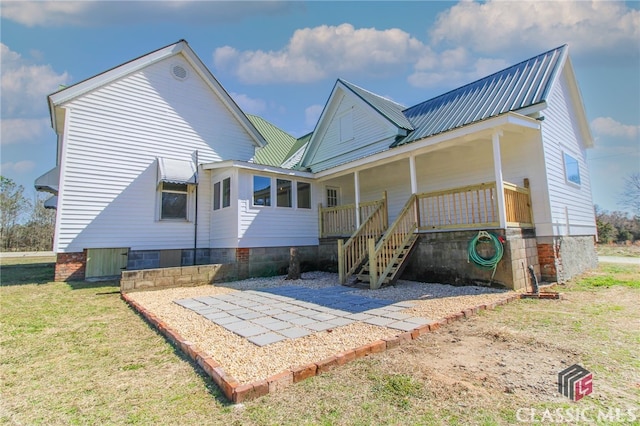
392 242
352 253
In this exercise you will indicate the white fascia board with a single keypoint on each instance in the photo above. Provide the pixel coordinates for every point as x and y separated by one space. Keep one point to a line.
509 119
113 74
65 95
318 130
578 103
256 168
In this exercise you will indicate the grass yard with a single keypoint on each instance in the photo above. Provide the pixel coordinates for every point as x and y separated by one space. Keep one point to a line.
74 353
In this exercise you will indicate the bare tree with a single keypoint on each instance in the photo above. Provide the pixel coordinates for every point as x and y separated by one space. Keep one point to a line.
12 206
630 195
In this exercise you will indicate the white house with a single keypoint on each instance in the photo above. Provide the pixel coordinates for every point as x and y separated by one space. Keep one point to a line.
158 166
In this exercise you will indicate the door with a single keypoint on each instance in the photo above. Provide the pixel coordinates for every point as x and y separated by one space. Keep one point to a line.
106 262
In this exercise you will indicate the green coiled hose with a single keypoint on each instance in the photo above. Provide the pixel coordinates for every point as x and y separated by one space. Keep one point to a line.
481 262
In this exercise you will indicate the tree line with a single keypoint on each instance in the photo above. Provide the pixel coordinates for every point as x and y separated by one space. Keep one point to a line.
25 225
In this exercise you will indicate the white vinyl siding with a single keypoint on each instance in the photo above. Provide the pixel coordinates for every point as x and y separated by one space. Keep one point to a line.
113 136
370 134
272 226
571 205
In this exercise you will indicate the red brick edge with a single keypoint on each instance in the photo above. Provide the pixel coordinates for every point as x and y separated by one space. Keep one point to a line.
237 393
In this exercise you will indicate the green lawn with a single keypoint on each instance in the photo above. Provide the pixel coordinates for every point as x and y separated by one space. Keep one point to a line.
75 353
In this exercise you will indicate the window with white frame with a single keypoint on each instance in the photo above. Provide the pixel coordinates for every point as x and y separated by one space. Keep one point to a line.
222 194
303 190
174 201
216 196
226 192
284 196
332 197
261 191
571 169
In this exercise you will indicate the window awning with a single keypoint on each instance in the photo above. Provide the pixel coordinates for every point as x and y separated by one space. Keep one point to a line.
176 171
51 203
49 181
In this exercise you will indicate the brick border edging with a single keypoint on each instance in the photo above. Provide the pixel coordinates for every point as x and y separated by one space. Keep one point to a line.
237 393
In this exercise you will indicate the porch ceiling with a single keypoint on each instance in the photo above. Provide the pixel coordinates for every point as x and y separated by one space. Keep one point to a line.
510 126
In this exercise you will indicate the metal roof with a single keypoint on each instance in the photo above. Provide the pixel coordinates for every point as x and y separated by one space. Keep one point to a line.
512 89
388 108
278 146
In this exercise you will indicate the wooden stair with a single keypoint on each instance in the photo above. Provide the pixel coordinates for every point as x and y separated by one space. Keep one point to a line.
397 265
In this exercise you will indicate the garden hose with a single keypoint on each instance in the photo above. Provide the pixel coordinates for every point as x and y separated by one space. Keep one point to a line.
481 262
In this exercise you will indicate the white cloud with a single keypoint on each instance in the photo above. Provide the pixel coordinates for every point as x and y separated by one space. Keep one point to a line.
17 130
452 68
248 104
315 53
589 27
100 13
25 86
18 167
311 115
607 126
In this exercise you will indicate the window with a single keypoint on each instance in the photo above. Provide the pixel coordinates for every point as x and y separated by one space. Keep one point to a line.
304 195
261 191
284 193
222 194
571 169
346 127
332 197
216 196
226 192
174 201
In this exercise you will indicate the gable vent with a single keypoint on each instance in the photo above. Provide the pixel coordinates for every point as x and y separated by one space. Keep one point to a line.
179 72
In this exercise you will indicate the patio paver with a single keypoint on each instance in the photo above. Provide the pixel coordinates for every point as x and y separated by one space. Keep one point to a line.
270 315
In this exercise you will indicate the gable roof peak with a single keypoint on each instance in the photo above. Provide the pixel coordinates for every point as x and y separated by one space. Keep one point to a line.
388 108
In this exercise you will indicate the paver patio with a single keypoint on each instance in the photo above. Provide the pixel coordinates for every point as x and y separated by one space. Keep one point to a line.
288 312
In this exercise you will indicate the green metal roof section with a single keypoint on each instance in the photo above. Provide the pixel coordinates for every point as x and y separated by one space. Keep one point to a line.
520 86
297 151
391 110
279 143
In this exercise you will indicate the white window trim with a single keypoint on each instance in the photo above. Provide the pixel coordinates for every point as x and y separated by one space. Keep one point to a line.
271 191
338 195
564 167
190 204
274 193
220 180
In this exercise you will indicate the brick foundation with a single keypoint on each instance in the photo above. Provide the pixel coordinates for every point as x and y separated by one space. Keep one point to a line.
562 258
70 266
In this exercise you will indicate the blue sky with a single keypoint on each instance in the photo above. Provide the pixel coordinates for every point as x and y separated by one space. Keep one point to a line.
280 60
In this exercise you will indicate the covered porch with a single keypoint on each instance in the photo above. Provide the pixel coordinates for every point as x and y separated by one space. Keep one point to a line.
479 181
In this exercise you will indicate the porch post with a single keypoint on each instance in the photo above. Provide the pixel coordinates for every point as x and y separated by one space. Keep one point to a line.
412 170
497 166
356 182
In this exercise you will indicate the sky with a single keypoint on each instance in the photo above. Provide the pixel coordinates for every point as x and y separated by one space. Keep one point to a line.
280 60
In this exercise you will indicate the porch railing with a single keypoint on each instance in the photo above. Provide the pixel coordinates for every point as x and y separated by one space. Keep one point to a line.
352 253
517 202
340 221
474 206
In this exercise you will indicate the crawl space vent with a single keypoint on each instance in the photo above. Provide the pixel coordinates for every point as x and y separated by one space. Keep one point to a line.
179 72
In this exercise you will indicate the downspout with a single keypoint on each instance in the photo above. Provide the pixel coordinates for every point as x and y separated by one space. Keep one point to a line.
195 219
